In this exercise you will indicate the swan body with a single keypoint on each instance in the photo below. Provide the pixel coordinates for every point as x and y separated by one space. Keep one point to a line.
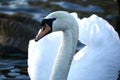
39 63
98 60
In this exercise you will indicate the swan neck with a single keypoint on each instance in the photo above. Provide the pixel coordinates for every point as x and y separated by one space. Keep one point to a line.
65 55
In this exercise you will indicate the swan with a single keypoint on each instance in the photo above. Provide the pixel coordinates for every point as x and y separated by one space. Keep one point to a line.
98 60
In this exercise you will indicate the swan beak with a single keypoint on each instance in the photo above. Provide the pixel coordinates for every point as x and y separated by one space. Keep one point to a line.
42 32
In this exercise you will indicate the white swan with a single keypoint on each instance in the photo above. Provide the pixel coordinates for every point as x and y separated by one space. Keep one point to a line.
99 60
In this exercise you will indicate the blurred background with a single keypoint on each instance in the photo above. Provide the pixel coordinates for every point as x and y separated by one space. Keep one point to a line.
13 59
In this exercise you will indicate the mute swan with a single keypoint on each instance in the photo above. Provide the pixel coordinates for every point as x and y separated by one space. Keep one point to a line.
98 60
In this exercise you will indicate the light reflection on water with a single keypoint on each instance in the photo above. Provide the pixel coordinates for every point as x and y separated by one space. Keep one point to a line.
13 64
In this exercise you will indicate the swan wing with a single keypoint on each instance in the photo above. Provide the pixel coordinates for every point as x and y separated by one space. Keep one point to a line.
99 59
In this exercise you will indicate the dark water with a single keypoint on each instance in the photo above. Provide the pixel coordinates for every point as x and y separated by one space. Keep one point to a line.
13 63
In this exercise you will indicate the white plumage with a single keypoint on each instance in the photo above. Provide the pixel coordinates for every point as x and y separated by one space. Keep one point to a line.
98 60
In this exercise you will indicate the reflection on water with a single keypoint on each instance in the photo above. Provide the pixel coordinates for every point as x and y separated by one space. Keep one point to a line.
13 63
77 7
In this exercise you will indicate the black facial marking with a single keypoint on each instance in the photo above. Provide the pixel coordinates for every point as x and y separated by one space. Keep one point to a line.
48 22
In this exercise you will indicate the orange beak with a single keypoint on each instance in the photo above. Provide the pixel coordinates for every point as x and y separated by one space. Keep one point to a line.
42 32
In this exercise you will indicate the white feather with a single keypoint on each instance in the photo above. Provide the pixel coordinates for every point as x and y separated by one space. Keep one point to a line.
98 60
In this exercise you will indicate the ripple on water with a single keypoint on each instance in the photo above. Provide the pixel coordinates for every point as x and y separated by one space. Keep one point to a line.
78 7
13 67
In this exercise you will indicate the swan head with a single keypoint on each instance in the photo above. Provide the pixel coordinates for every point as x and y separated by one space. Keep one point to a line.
56 21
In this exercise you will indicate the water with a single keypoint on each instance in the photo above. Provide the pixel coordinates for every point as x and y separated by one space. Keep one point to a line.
13 63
